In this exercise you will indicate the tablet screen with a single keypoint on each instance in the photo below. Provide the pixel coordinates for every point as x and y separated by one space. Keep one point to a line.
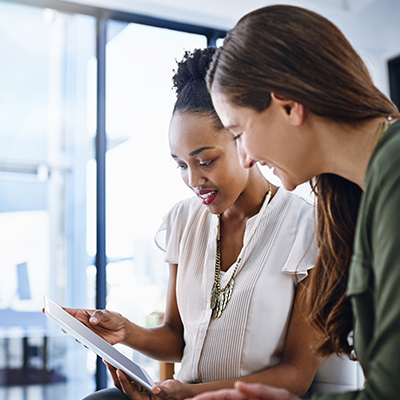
97 344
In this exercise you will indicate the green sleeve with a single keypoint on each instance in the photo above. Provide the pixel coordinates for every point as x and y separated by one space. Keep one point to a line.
384 352
382 368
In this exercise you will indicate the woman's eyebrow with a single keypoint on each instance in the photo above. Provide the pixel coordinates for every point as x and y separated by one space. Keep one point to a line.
193 153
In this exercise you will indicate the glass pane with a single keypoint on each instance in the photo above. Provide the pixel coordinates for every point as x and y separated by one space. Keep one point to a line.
219 42
46 143
143 182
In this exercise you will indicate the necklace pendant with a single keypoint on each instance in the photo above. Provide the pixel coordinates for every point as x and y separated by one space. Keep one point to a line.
214 296
215 305
217 311
229 291
219 303
224 301
226 296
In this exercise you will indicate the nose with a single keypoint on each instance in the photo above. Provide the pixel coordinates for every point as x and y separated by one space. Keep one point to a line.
195 178
245 160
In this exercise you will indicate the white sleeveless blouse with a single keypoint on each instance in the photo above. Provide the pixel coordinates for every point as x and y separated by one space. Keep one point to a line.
249 336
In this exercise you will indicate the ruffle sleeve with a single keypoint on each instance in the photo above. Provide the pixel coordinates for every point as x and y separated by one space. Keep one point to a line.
169 234
303 255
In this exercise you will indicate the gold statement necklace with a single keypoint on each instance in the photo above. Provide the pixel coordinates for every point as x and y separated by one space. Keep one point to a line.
221 296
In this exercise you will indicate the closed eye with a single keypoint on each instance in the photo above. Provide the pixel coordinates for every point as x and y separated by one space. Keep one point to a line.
236 137
206 164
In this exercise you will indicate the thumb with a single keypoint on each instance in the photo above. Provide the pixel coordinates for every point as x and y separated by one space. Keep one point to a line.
157 390
96 317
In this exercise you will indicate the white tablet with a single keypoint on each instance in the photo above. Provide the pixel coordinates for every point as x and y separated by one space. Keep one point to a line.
97 344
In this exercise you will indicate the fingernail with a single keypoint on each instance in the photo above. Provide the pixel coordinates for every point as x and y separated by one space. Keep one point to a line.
156 390
94 320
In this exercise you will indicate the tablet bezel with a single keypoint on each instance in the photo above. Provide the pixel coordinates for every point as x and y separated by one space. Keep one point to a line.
97 344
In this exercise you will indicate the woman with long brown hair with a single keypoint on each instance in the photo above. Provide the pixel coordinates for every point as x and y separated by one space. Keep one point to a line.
298 98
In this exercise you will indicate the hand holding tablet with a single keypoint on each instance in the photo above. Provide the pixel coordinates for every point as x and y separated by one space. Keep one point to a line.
94 342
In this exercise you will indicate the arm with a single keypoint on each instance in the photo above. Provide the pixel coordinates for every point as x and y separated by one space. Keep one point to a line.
240 391
295 372
377 311
253 391
164 342
381 334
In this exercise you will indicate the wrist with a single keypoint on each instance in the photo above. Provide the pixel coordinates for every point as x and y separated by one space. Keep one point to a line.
189 390
133 335
194 389
126 328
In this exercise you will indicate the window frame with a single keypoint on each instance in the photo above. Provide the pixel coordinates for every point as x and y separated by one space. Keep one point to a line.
394 80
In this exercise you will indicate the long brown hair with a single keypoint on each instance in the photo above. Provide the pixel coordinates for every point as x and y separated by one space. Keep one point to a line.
301 55
328 306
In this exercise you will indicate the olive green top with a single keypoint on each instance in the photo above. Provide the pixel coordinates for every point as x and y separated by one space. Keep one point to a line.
374 280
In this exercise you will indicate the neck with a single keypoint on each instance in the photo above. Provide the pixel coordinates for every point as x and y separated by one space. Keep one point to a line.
252 198
345 149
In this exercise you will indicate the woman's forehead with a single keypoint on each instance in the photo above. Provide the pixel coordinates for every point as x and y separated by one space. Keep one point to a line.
192 130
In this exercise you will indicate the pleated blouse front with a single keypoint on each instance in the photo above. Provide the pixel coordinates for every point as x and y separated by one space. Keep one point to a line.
249 336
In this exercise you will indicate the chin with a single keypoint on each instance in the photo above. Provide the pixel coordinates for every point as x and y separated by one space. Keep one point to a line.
289 185
289 188
214 210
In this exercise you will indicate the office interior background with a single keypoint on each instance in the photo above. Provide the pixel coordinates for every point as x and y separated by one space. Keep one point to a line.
85 171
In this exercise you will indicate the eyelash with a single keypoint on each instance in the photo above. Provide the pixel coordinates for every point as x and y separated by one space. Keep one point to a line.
183 167
206 164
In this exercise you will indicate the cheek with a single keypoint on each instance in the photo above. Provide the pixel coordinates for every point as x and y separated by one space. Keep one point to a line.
248 146
184 177
241 151
256 143
237 175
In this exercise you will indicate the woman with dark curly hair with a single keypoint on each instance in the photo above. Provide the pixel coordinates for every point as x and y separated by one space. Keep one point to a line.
298 98
239 254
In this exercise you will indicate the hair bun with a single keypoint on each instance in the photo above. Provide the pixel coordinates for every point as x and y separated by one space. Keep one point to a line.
193 67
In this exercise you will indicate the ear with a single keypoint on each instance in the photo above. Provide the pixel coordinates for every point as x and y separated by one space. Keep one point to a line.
293 110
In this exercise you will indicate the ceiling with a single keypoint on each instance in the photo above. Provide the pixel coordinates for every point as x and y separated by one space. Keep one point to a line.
372 26
223 13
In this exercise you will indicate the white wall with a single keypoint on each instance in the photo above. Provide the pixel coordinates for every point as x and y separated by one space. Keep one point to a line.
372 26
374 31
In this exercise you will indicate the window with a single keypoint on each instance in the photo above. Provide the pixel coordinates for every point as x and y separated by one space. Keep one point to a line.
394 80
142 180
49 196
44 148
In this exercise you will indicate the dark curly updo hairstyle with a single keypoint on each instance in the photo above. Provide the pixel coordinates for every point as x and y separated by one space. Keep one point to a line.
189 82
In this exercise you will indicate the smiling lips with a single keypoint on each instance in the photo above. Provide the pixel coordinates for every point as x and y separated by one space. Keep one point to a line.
207 196
268 165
